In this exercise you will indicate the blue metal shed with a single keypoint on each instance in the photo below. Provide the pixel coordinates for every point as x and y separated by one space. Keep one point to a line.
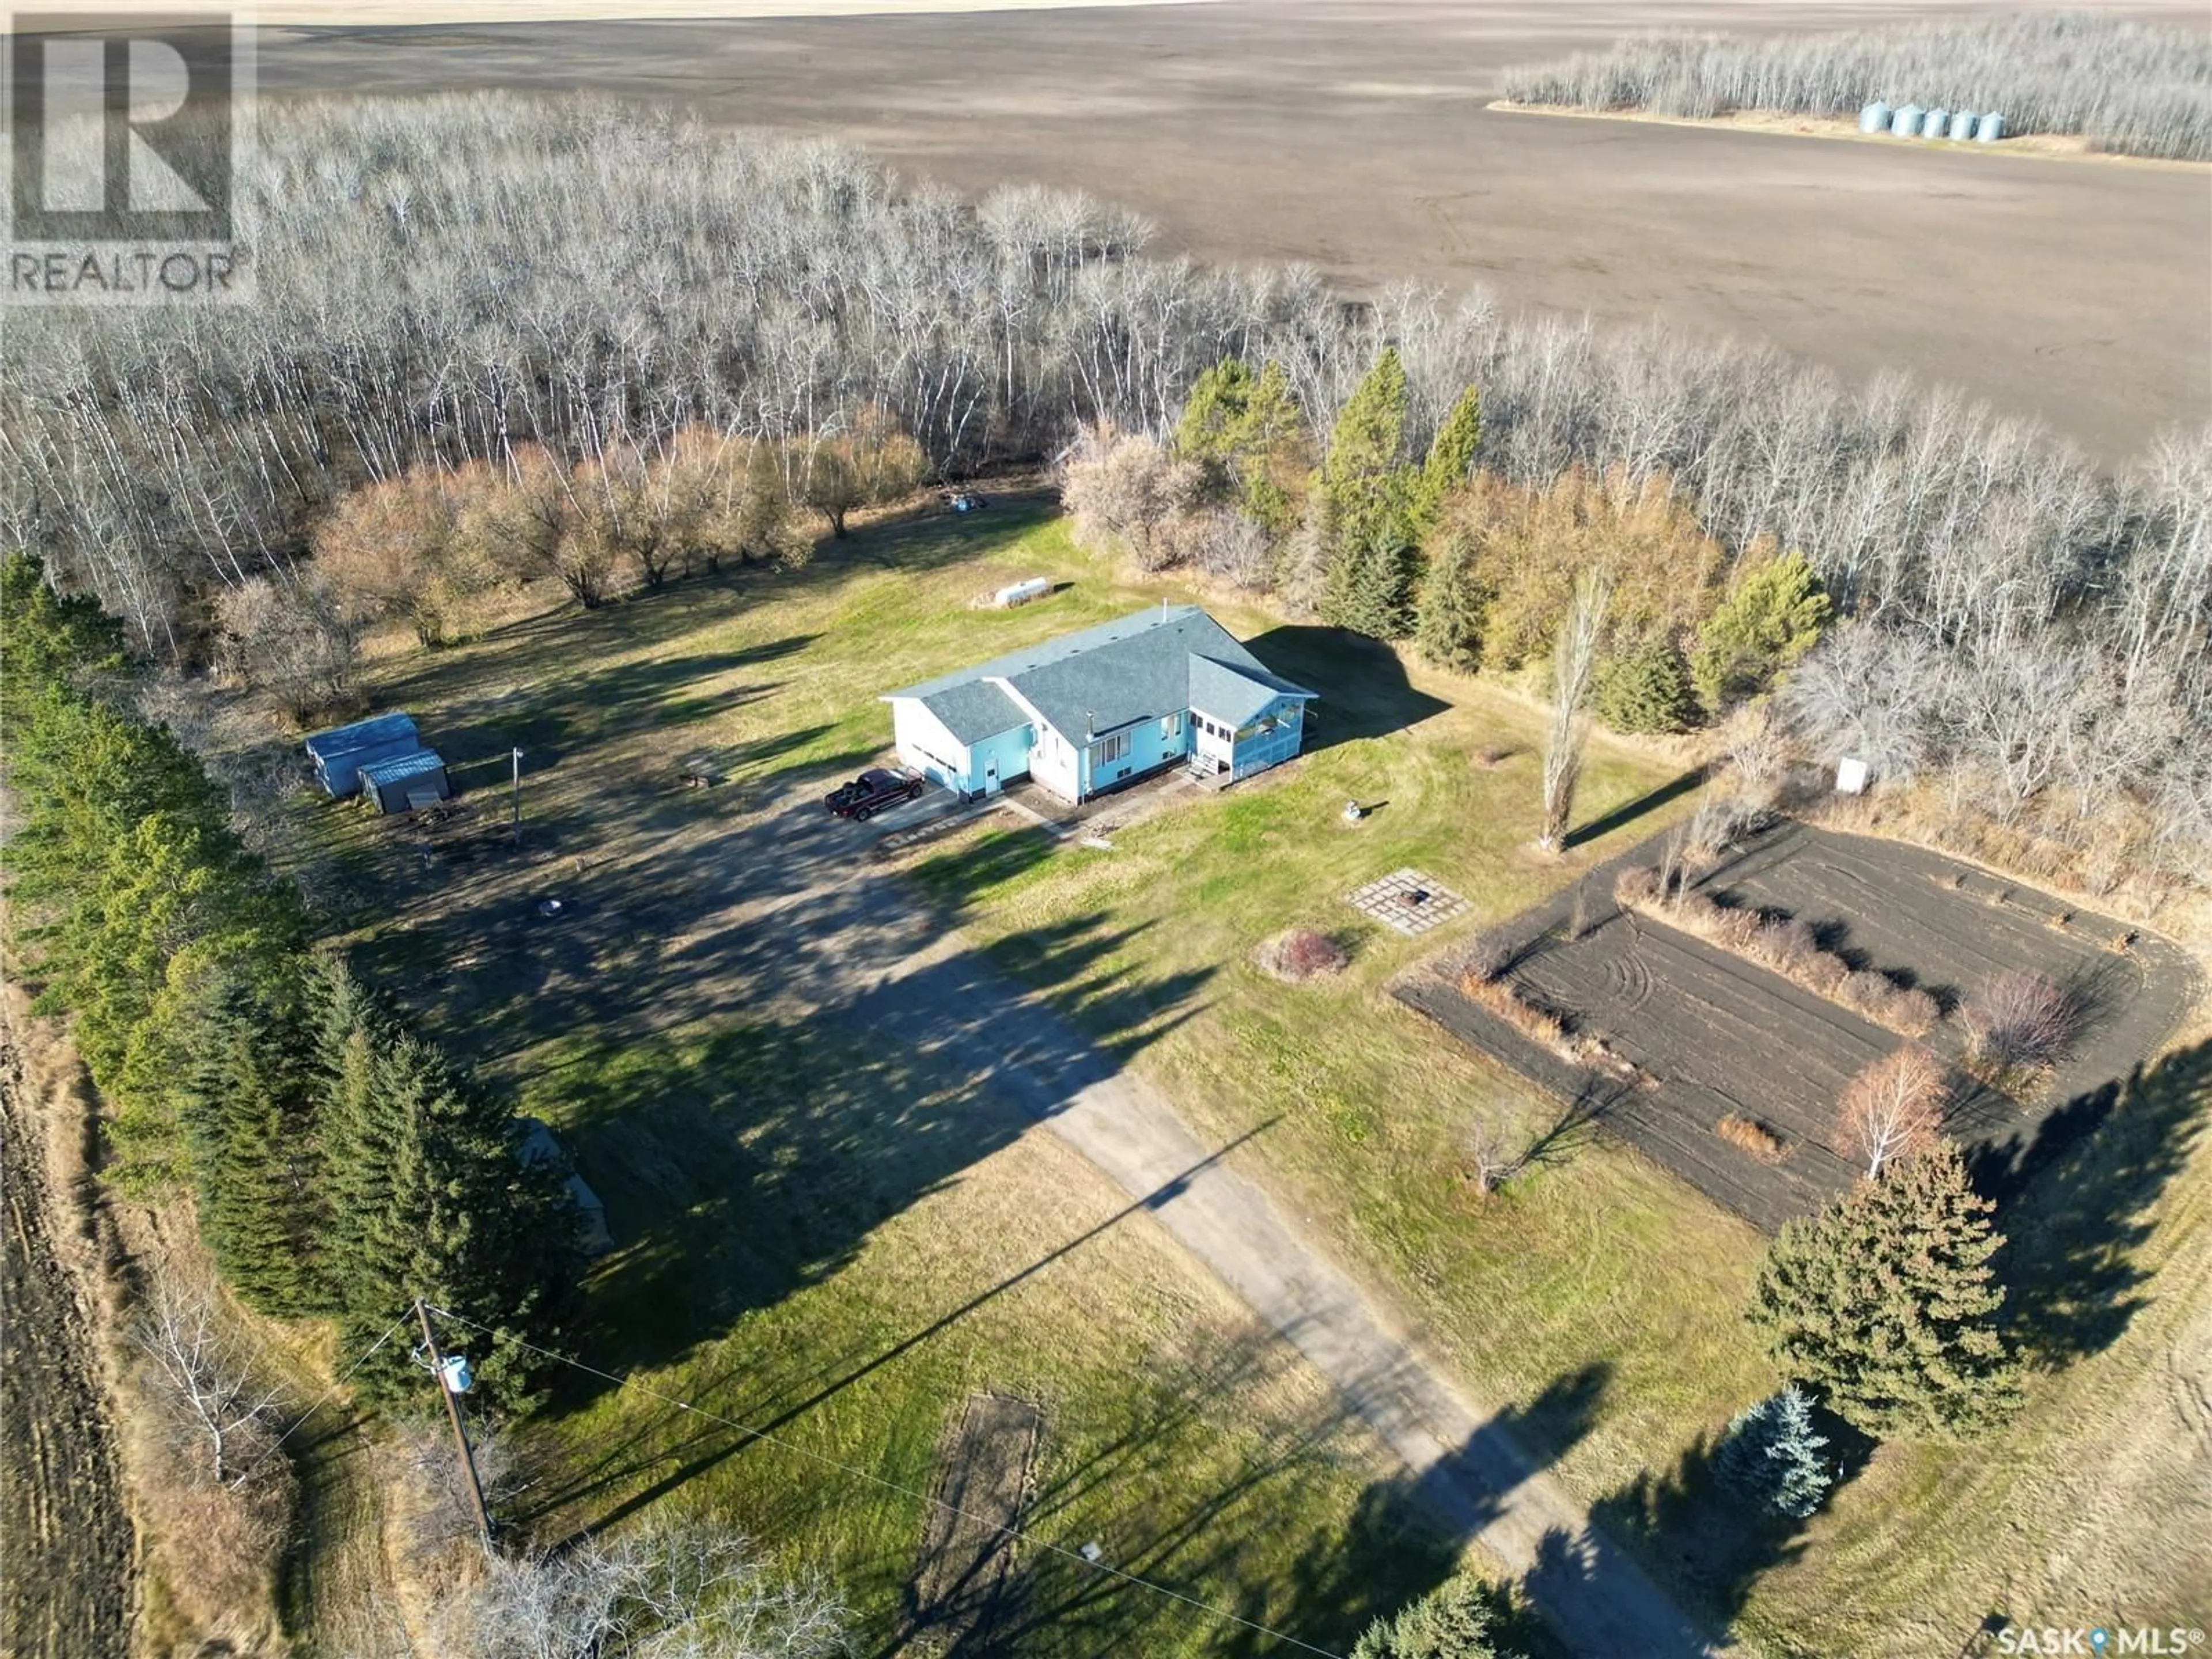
341 752
395 785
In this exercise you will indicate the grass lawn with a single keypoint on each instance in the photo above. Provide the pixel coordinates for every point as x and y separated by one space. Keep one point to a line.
835 1241
1596 1296
793 1289
842 1249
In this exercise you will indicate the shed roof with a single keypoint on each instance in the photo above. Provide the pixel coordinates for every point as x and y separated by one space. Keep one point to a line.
374 732
379 773
1100 679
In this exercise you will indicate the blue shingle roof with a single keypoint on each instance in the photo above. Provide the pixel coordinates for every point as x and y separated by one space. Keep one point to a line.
1232 695
1102 678
974 710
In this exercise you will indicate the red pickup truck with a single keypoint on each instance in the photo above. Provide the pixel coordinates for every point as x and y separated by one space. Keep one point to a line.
872 791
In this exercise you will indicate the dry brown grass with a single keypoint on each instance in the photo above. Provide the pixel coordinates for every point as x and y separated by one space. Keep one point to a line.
1539 1025
1789 948
1748 1136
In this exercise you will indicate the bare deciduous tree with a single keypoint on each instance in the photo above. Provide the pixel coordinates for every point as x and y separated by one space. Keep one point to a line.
1494 1155
674 1591
1572 657
2019 1019
222 1409
394 547
865 459
1893 1109
1126 491
296 637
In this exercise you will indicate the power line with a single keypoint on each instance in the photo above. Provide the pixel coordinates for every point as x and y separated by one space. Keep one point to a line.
300 1421
751 1433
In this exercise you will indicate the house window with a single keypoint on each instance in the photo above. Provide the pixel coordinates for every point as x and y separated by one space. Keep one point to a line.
1111 749
1172 725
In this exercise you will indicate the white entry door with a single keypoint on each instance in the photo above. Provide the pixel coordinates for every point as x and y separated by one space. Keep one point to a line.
990 777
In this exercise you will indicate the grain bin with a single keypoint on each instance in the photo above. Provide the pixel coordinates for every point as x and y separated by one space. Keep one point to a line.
1990 129
1935 123
1905 122
1962 125
1874 117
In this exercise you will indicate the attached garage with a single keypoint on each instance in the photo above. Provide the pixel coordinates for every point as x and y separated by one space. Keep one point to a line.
972 739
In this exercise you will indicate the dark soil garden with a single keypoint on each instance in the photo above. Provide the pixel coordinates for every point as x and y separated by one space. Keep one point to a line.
1694 1034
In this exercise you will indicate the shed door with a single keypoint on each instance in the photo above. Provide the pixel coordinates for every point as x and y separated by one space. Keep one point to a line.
991 776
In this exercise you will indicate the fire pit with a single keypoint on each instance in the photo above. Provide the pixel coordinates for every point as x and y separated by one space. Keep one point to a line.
1408 900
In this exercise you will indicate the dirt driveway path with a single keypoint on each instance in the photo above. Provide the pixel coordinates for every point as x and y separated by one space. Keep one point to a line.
792 900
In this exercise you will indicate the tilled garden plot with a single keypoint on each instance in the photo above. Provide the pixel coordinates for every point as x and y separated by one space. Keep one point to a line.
1709 1033
964 1585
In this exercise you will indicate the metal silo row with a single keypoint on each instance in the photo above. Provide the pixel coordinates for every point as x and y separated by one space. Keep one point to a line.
1911 121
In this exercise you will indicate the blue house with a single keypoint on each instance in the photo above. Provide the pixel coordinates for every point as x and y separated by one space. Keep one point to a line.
1092 711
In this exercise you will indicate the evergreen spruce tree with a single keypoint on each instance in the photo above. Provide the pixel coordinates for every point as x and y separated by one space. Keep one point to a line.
1884 1304
1244 431
1772 1457
1372 587
246 1102
1450 460
1452 1621
427 1198
1449 629
1772 615
1212 418
52 639
1372 557
1646 689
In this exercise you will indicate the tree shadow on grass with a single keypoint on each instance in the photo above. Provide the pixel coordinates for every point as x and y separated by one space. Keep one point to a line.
1627 813
1362 685
768 1406
1409 1532
1705 1540
2081 1202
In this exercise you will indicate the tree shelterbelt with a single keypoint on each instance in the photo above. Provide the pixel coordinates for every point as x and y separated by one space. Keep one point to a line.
339 1164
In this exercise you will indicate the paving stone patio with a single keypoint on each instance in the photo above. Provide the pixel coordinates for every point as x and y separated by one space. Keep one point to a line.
1408 901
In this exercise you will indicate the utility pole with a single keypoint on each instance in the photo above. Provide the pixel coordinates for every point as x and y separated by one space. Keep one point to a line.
515 755
454 1416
